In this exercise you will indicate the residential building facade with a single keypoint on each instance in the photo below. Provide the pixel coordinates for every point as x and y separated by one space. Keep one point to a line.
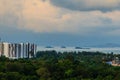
18 50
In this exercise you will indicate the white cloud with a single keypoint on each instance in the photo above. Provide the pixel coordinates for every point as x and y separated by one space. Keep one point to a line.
41 16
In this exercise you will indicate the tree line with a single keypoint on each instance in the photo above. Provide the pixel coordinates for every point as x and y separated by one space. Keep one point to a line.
52 65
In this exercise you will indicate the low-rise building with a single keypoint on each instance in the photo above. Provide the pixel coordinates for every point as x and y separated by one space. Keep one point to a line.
116 61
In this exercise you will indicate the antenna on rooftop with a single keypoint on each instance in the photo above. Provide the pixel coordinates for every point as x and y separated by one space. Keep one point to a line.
0 40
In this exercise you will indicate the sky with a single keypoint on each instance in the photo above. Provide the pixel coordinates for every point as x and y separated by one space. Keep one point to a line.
60 22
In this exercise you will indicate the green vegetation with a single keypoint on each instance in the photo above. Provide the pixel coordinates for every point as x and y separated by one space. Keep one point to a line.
52 65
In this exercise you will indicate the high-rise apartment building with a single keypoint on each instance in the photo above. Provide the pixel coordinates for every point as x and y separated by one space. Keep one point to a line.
18 50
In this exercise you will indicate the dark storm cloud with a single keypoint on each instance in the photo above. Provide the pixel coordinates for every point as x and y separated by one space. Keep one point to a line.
88 5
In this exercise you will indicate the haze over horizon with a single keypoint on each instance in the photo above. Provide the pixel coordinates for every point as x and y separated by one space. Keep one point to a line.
60 22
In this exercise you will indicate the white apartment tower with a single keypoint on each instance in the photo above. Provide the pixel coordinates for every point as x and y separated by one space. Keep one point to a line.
18 50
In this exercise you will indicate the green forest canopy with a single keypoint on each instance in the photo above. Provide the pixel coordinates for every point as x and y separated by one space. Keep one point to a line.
52 65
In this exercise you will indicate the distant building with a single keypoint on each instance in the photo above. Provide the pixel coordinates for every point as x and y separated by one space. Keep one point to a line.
18 50
116 61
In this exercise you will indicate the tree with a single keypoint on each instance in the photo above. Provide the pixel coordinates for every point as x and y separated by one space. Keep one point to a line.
43 73
13 76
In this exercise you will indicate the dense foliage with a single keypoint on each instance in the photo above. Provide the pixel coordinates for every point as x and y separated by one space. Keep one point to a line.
52 65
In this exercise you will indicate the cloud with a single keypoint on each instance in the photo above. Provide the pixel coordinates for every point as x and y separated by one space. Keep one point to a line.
88 5
43 17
